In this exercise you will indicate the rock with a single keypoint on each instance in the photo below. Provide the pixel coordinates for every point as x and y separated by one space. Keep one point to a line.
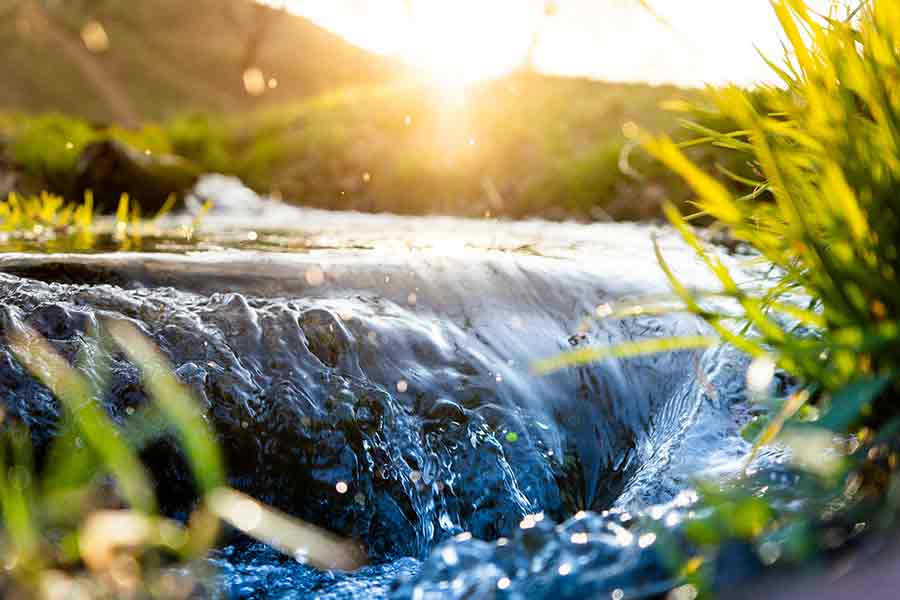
110 168
8 173
7 181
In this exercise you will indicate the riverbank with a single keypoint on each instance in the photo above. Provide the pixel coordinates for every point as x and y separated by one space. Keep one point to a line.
523 146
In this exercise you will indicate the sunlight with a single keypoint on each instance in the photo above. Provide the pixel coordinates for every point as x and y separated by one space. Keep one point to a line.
451 44
466 41
457 43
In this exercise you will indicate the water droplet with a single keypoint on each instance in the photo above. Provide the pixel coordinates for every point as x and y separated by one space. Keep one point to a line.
254 81
604 310
684 592
630 130
94 37
760 373
341 487
450 556
315 276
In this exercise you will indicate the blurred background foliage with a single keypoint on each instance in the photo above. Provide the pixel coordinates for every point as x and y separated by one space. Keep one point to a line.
295 111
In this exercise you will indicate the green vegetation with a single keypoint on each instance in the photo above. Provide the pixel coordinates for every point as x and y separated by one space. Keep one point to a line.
167 78
85 524
808 175
60 226
823 209
163 57
829 156
522 146
45 212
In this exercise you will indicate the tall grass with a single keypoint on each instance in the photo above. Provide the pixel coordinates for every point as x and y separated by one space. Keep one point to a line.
827 153
823 210
821 205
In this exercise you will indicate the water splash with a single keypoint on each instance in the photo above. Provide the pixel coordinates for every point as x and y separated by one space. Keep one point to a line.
378 384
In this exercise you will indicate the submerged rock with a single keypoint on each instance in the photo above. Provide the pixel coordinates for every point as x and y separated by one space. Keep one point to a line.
378 384
346 405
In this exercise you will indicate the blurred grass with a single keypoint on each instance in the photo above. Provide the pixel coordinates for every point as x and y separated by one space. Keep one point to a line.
525 145
84 523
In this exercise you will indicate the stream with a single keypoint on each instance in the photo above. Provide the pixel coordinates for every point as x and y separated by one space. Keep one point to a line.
372 375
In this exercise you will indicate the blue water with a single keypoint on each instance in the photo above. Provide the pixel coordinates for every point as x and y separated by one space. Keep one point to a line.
372 376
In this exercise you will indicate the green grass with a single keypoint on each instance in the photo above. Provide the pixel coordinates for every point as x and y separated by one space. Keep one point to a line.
821 204
828 154
86 523
518 147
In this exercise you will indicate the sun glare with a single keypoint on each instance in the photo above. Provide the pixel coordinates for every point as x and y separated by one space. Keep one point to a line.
457 43
451 43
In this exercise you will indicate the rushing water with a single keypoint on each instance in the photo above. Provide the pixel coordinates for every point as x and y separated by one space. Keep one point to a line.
372 375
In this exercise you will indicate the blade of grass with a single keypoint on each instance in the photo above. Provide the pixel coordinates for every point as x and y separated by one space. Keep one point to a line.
74 393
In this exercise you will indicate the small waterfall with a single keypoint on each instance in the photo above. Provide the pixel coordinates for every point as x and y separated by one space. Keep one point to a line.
378 382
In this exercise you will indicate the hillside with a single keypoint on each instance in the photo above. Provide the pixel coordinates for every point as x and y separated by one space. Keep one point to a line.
522 146
166 57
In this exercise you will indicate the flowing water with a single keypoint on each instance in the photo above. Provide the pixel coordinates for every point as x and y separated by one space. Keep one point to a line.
372 375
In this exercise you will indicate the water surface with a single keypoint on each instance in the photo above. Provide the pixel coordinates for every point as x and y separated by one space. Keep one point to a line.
372 375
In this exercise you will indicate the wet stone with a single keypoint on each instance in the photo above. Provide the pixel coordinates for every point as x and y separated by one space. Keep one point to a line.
310 417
